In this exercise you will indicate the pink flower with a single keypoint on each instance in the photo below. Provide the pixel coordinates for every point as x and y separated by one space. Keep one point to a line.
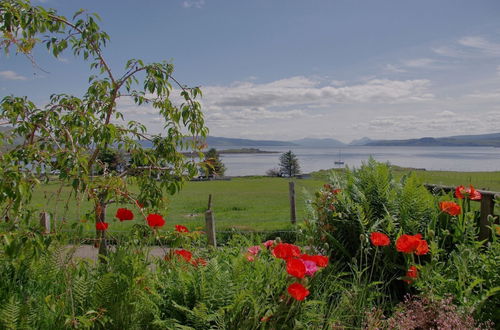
250 257
311 267
269 244
254 250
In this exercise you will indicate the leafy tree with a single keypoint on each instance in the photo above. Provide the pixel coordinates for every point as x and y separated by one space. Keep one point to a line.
274 172
212 164
112 160
289 164
69 133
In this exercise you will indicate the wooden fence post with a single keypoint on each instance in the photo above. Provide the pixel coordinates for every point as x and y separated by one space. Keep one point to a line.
210 223
45 222
487 206
291 193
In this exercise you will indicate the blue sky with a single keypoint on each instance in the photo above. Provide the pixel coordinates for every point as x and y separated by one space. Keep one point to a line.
291 69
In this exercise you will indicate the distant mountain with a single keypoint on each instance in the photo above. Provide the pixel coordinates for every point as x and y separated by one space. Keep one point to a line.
482 140
310 142
361 142
225 142
17 140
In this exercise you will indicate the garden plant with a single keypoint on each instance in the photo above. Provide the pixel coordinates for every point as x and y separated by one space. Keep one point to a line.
374 252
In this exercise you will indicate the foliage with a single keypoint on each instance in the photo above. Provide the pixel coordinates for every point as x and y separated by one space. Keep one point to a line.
424 313
451 262
111 160
367 200
289 164
274 172
70 133
212 164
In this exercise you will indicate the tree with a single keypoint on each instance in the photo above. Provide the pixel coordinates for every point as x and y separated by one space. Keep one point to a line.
112 160
274 172
212 164
68 134
289 164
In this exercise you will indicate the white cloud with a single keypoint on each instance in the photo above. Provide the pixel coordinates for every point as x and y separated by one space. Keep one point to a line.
440 124
394 68
193 3
265 106
303 91
469 47
419 62
11 75
481 44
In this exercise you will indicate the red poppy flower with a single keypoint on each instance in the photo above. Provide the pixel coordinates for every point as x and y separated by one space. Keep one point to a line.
461 192
198 262
265 318
155 220
99 225
124 214
319 260
408 243
379 239
412 274
285 251
185 254
181 229
422 248
298 291
296 267
139 204
451 208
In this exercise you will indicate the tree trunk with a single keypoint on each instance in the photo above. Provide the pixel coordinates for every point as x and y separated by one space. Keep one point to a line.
100 212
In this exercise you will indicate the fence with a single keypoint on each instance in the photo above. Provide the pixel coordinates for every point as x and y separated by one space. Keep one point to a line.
487 208
487 216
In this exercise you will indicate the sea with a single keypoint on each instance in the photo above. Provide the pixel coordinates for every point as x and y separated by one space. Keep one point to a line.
468 159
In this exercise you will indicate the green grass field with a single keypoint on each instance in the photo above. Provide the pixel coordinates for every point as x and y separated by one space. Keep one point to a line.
246 203
251 203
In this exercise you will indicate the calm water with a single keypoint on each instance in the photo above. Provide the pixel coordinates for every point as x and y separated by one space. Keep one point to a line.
313 159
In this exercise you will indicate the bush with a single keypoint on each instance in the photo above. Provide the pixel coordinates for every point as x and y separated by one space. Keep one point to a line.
424 313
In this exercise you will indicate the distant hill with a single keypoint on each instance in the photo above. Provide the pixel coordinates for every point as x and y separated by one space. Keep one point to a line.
17 140
482 140
361 142
215 141
224 142
310 142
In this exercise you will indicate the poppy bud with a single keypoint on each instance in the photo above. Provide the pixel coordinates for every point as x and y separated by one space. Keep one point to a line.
431 233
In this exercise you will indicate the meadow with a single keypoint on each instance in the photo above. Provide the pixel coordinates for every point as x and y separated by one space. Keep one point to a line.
242 203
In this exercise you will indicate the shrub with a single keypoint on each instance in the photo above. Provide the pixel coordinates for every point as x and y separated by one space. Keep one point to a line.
424 313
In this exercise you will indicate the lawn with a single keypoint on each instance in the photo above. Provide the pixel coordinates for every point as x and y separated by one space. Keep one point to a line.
244 203
247 203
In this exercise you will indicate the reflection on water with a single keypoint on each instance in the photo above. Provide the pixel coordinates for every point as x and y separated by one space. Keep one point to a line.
313 159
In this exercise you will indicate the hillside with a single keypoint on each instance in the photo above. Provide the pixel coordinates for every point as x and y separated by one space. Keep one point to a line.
482 140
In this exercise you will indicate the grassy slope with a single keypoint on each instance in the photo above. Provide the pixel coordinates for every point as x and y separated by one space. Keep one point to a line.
244 203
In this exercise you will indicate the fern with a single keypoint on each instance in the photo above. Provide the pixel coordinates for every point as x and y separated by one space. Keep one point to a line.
10 313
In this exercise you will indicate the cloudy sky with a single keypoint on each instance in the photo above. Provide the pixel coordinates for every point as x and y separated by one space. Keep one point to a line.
286 69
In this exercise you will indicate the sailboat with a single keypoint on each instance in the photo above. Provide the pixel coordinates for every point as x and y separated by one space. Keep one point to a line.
339 162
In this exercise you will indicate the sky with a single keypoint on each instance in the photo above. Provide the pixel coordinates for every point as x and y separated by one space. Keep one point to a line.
289 69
